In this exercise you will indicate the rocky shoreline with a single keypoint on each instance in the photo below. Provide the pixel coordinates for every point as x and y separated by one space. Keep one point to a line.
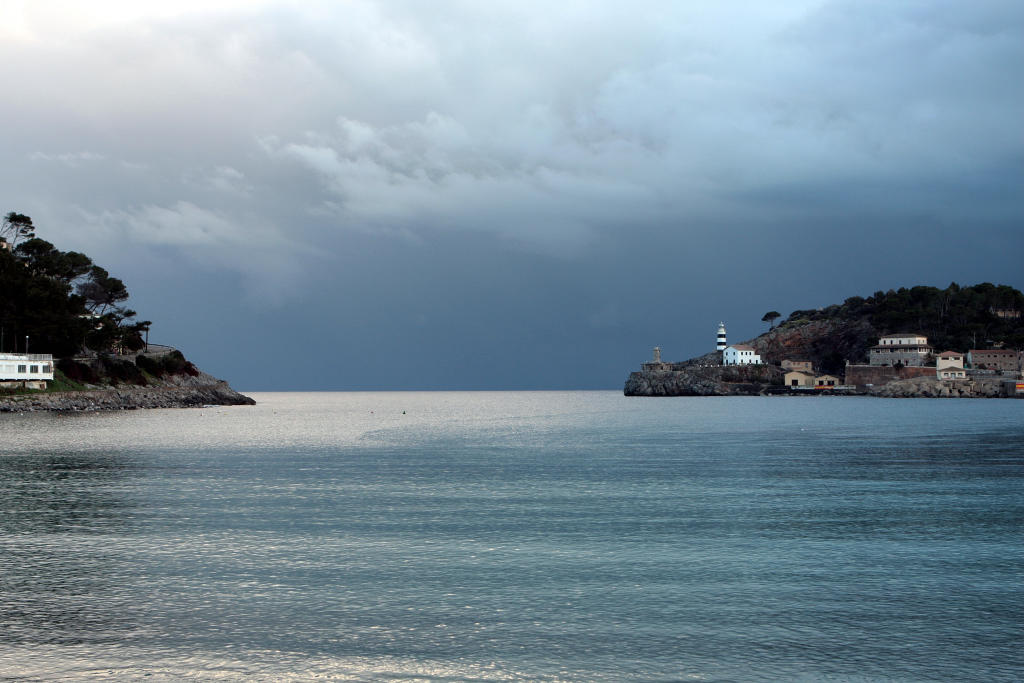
176 392
930 387
765 380
703 380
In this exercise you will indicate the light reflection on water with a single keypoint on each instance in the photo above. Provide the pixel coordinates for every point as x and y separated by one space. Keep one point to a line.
543 535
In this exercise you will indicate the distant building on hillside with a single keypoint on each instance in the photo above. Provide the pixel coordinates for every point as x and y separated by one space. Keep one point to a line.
949 359
4 244
1005 313
903 349
28 370
803 365
740 354
994 359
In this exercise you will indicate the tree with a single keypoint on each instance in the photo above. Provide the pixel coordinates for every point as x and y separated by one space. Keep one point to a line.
770 317
16 227
60 298
42 258
101 292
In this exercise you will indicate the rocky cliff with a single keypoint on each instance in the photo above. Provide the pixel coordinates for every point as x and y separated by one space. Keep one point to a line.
956 318
696 379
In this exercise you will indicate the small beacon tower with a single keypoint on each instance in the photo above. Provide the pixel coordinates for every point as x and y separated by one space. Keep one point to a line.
720 346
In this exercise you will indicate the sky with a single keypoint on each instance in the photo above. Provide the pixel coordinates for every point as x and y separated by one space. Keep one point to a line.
457 194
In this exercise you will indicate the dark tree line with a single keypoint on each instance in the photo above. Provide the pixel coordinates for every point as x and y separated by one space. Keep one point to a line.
956 318
60 300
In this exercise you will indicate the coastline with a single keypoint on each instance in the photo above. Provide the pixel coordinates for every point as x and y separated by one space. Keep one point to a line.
764 380
175 392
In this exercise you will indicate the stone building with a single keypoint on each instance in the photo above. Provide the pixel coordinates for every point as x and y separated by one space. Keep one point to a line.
994 359
656 364
902 349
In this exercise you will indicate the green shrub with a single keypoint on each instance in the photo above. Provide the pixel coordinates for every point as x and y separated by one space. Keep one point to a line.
122 372
172 363
78 372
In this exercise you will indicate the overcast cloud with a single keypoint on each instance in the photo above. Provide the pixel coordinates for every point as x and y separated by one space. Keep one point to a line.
510 194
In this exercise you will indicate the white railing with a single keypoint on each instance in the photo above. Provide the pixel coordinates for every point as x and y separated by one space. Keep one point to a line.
27 356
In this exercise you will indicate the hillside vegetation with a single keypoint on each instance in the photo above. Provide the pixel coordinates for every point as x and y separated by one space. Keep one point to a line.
60 300
955 318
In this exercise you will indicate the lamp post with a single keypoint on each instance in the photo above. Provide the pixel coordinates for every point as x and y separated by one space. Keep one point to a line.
26 344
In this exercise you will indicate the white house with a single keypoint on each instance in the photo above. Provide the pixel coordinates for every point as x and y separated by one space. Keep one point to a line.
950 372
30 370
740 354
949 359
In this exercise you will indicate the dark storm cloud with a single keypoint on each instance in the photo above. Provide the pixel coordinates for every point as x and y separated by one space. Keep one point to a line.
556 186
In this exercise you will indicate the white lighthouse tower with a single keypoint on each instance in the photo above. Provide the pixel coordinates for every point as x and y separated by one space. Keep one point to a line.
720 346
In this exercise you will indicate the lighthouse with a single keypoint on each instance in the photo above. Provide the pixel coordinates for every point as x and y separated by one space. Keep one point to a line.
720 346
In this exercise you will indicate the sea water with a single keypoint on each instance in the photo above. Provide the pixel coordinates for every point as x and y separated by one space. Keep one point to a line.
578 536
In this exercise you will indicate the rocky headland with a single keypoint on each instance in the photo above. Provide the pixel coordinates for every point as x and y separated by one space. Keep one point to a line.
205 392
120 384
699 379
837 339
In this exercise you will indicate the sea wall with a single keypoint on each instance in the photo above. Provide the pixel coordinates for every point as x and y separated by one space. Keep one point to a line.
930 387
864 375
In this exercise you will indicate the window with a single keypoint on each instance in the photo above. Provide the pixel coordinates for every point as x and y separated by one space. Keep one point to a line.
22 368
34 370
47 368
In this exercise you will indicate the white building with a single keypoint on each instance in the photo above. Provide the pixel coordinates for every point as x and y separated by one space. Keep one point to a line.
30 370
740 354
950 372
949 359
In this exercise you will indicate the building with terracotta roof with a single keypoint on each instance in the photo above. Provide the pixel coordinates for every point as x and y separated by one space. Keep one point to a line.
949 359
